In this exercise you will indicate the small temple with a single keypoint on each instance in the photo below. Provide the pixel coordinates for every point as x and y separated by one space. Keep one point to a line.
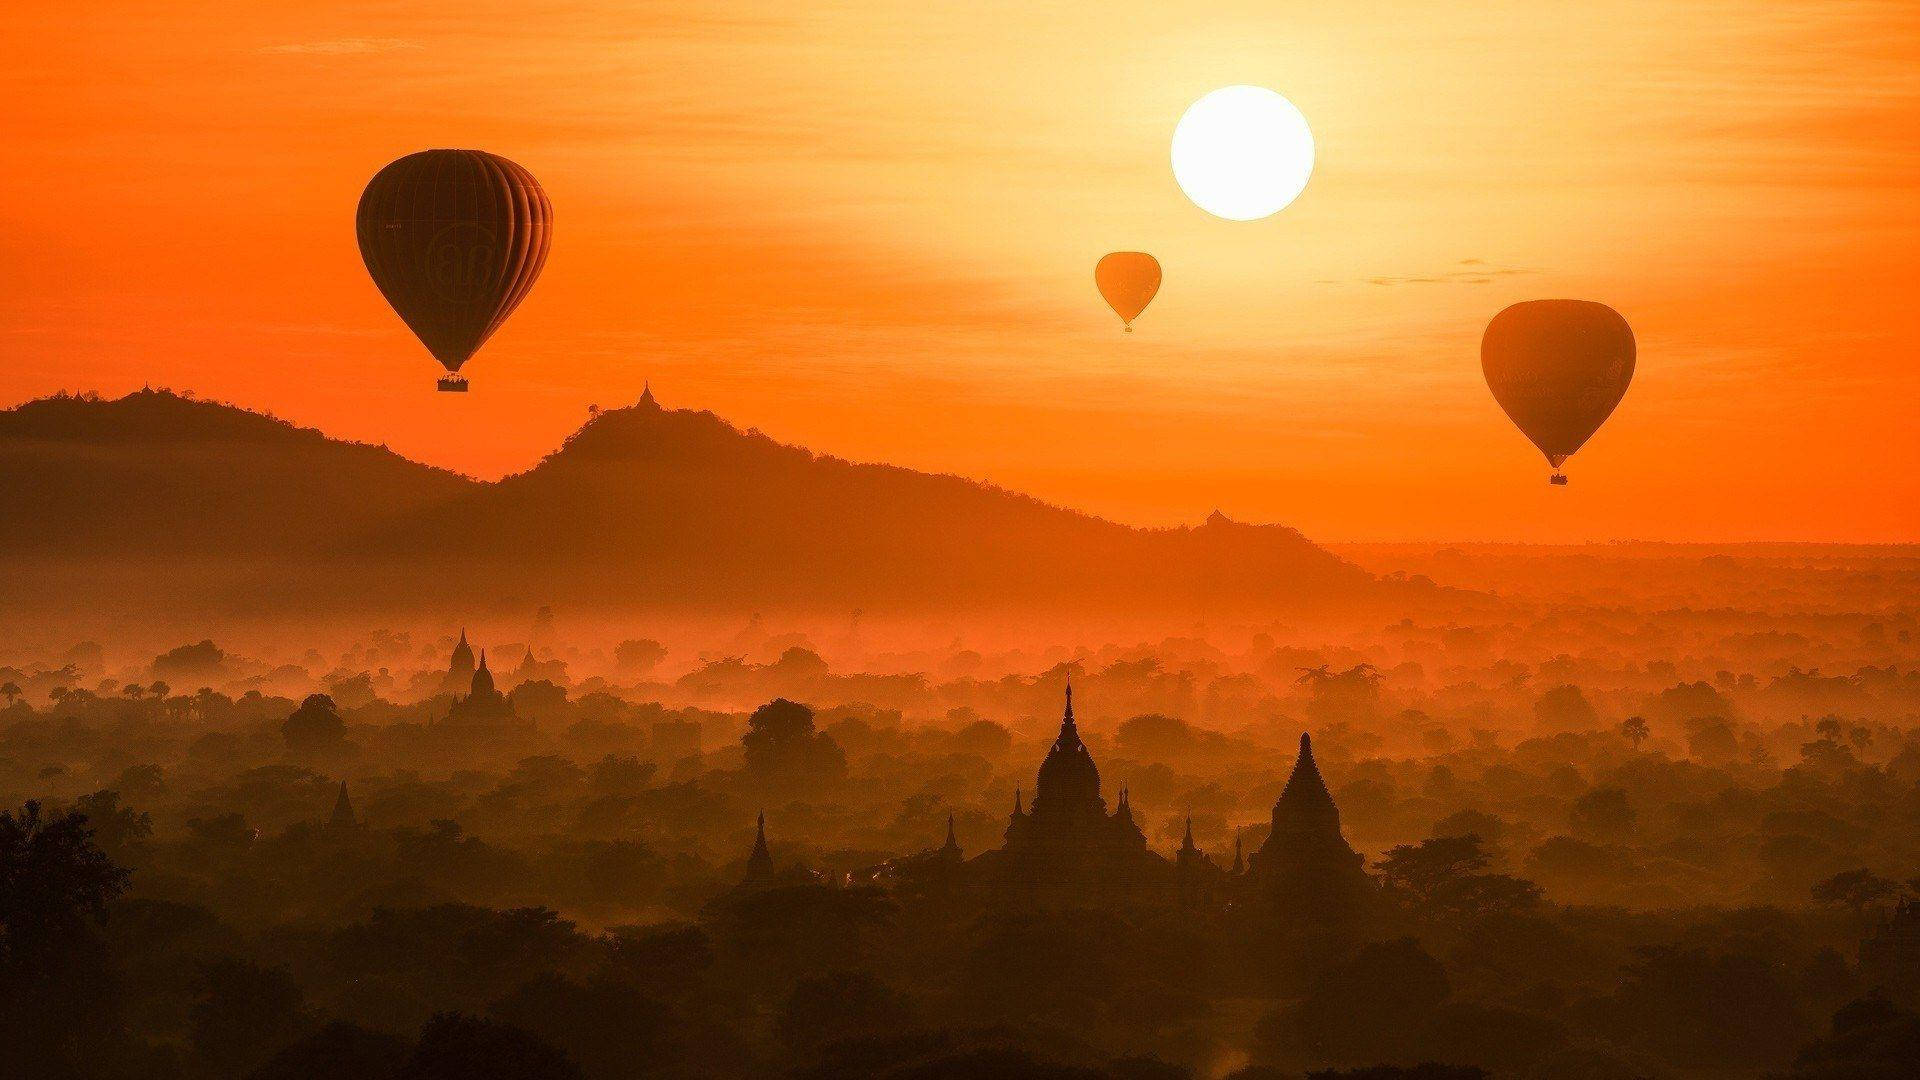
484 705
343 815
1306 866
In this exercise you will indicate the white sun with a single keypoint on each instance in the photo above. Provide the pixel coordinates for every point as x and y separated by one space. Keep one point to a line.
1242 153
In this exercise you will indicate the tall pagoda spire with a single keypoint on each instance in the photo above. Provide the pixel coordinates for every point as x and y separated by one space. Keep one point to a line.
343 816
1069 731
1186 845
952 846
760 862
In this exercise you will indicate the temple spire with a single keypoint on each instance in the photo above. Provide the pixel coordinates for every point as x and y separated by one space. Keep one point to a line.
1186 845
953 843
1239 862
1069 733
760 862
343 816
1306 787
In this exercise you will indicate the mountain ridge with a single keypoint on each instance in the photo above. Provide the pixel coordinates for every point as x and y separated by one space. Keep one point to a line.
641 506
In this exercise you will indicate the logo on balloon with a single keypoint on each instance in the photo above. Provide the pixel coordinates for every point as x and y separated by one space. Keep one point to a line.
461 262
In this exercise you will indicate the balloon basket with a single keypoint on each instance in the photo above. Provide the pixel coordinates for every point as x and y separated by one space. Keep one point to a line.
1558 480
453 384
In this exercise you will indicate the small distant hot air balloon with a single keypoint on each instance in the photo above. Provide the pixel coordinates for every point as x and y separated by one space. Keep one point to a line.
1558 368
1128 280
454 239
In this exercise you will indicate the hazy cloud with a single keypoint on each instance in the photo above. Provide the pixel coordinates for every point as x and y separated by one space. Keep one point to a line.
1464 272
343 47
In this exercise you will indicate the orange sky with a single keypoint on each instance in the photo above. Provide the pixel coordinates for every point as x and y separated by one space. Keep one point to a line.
870 227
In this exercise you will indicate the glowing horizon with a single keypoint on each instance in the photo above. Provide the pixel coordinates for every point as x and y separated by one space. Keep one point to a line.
871 232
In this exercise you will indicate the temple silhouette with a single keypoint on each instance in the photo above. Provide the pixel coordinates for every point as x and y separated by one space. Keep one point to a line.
483 706
1306 867
1067 842
1066 849
459 675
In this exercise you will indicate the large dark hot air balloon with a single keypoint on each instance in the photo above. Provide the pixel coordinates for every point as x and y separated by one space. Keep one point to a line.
1128 280
454 239
1558 367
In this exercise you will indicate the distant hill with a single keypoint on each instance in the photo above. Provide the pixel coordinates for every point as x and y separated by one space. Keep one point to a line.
643 507
154 474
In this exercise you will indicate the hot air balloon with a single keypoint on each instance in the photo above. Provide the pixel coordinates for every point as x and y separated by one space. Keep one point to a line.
1128 280
454 239
1558 368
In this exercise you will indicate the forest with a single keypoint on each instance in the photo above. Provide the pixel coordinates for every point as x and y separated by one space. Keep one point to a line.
1643 813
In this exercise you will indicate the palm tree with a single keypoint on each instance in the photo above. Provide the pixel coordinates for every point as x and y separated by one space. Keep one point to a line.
1636 730
11 689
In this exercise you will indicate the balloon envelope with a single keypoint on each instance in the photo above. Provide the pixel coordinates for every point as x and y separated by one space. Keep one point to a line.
1558 368
1128 280
454 239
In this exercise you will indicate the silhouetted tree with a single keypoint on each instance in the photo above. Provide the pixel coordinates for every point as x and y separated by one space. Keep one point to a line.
539 699
245 1012
59 1004
1635 730
338 1051
826 1009
1565 708
609 1029
1427 1071
1603 813
457 1047
781 744
314 726
117 829
639 656
1699 1009
1370 1008
1711 739
1870 1039
1444 877
1856 889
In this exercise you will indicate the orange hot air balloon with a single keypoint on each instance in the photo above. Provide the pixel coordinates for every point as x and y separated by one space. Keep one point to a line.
454 239
1128 280
1558 368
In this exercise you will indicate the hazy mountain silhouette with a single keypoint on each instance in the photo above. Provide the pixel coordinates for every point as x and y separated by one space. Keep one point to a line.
156 474
642 506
